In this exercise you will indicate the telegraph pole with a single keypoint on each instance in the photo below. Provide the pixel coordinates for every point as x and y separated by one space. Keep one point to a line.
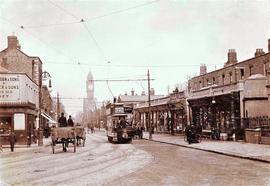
58 107
149 104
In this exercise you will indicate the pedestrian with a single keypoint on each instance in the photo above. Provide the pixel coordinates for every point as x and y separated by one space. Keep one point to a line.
188 133
12 140
62 121
70 122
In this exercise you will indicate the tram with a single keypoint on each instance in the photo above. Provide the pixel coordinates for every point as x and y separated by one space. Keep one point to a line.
119 124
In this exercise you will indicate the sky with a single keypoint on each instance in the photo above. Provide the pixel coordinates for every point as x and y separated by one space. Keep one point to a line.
122 39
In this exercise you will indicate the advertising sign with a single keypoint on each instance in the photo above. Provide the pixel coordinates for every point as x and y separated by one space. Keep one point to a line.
9 87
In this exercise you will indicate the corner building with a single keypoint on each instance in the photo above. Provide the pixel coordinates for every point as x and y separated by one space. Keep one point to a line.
20 93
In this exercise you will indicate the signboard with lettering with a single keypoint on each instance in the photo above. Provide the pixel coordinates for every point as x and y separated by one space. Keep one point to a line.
9 87
119 110
18 88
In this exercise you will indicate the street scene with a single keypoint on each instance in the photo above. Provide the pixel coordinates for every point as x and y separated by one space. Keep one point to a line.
134 92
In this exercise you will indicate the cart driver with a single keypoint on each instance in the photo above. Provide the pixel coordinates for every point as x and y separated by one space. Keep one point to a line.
62 121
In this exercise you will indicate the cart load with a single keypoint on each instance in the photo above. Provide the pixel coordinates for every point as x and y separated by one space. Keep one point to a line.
64 136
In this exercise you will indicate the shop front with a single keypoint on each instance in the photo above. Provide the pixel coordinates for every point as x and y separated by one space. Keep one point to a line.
18 108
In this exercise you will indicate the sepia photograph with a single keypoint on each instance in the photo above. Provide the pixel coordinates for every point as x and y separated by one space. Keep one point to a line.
134 92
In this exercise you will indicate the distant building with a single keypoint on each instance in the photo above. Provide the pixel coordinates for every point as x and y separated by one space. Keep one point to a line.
89 103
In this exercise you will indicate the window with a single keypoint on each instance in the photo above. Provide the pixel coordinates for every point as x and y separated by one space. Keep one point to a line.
214 80
200 84
223 79
250 70
231 77
19 121
242 72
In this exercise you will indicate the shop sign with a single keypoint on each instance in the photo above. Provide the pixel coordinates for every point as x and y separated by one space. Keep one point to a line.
9 87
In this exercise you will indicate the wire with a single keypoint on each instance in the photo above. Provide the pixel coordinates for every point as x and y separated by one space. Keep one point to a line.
90 19
128 66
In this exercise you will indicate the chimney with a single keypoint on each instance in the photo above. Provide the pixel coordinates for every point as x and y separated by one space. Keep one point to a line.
268 45
232 57
152 92
203 69
143 93
13 42
259 52
132 92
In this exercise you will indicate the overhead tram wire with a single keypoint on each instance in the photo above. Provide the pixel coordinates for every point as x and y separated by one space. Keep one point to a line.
91 35
89 19
21 27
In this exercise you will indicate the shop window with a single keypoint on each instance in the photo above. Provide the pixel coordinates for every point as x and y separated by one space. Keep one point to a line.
19 121
5 124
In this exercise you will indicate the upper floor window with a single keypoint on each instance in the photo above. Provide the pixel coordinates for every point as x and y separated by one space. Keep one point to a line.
223 79
214 80
250 70
231 77
242 73
200 84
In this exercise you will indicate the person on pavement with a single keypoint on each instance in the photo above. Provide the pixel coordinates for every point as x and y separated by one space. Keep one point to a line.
62 121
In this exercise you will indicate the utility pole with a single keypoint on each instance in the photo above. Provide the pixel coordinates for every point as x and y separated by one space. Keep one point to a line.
149 104
57 107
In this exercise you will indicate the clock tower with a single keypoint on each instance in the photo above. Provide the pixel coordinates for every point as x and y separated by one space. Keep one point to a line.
89 103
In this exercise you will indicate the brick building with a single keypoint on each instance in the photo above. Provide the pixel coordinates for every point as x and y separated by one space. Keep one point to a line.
21 82
222 98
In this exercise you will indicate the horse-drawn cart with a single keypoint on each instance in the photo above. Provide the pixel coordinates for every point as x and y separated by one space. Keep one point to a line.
80 135
64 136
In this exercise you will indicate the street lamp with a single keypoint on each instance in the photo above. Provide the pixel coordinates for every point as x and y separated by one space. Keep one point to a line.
45 75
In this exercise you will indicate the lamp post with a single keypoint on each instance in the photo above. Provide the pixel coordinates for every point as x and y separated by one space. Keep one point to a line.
45 75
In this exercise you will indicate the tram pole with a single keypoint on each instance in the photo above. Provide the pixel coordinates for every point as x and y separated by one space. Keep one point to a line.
149 104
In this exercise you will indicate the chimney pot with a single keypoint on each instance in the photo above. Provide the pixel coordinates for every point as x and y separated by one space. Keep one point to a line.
259 52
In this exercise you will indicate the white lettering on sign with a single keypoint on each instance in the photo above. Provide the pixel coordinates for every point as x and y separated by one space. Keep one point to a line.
9 87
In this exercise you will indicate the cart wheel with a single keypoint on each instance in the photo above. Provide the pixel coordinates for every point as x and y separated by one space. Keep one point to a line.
74 144
83 142
53 146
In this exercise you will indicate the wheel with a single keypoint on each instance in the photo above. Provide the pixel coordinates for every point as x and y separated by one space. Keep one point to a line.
74 144
83 142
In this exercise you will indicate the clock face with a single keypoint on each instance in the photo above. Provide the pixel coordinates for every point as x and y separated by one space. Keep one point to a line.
90 86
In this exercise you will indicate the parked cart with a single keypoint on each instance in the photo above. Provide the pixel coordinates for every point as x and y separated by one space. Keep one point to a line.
80 135
64 136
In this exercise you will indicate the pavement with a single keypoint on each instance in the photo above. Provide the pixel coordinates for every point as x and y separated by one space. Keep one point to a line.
257 152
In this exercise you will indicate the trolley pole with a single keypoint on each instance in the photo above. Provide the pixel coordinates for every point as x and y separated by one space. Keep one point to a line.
149 104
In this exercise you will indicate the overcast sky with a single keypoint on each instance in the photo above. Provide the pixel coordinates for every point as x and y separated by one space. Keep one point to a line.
171 38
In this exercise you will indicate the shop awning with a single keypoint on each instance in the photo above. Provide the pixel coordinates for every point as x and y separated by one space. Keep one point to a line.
51 121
